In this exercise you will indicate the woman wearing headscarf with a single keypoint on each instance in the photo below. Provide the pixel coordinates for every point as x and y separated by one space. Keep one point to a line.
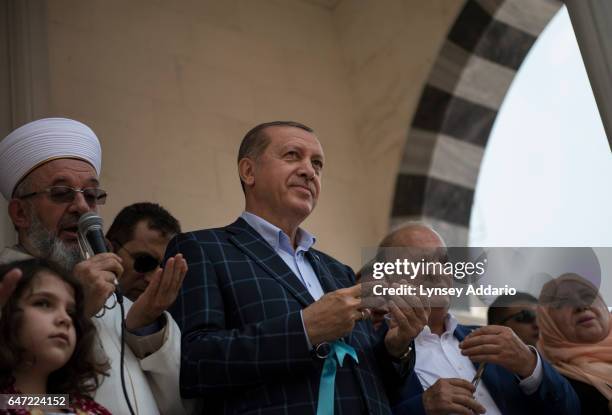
576 337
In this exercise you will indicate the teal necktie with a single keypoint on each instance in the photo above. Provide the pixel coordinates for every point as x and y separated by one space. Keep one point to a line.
339 350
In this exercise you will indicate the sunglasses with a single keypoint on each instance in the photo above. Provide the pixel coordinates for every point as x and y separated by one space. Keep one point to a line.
66 194
143 262
523 316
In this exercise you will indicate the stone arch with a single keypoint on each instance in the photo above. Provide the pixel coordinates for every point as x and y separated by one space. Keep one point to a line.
468 82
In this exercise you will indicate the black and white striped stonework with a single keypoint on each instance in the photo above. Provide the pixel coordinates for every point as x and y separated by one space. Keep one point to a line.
458 106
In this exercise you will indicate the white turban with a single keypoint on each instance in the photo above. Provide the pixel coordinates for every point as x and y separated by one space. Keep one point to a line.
44 140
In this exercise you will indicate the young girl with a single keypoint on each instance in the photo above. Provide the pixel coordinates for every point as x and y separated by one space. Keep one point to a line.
46 342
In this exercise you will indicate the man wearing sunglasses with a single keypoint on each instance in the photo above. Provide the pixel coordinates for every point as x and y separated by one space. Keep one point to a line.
517 312
139 235
49 174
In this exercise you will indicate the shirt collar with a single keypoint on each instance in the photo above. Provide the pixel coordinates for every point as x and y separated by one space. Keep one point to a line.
274 235
450 324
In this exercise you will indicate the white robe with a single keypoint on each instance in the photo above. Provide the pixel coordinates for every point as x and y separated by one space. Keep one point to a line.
152 380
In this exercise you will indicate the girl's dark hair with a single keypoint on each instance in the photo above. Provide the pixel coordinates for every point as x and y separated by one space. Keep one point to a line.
81 374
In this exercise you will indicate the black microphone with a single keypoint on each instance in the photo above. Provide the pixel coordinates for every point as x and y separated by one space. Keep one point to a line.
90 228
90 233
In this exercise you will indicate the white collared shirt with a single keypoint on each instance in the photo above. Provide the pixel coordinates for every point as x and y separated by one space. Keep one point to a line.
440 357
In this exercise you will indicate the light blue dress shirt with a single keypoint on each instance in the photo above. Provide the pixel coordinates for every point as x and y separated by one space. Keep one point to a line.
295 259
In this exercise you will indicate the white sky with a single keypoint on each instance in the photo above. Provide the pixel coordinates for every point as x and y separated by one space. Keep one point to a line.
545 179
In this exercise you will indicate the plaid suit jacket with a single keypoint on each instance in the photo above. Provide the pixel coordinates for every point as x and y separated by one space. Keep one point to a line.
244 349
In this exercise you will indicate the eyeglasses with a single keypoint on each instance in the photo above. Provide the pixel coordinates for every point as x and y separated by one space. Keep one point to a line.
143 262
523 316
580 299
66 194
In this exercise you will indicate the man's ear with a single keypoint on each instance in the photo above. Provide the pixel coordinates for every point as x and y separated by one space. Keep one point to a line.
246 170
19 213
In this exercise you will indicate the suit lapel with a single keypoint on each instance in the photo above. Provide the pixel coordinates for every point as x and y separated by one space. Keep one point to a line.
328 283
325 278
252 244
490 377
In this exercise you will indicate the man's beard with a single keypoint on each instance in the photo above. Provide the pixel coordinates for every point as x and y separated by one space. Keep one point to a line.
47 245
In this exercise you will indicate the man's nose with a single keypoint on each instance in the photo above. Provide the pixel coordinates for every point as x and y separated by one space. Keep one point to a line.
307 170
80 205
149 275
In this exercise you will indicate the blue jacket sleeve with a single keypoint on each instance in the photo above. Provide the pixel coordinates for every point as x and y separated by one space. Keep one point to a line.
411 406
410 398
555 394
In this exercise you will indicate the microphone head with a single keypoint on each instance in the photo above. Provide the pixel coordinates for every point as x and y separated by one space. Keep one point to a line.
89 221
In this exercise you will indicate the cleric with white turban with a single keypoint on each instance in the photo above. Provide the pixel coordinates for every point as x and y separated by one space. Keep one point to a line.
49 173
40 141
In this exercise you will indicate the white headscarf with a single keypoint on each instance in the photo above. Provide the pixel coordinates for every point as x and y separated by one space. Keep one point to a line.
37 142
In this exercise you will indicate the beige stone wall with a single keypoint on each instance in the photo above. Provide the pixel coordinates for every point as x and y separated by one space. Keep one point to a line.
389 48
7 234
172 86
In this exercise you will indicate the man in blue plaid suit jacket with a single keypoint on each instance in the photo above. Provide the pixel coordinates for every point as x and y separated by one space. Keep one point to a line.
260 309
